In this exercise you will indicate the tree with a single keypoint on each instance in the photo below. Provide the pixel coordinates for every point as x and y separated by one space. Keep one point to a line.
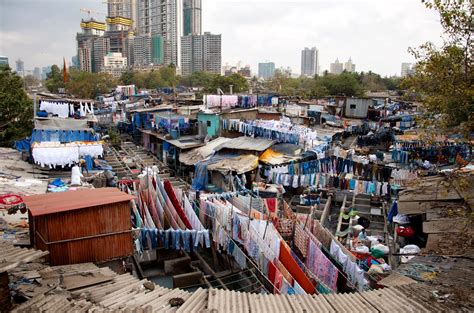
54 79
16 109
127 78
238 82
89 85
443 76
345 84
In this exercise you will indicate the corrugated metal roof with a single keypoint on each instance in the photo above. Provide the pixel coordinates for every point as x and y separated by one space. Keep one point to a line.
196 303
241 164
220 300
247 143
73 200
12 256
198 154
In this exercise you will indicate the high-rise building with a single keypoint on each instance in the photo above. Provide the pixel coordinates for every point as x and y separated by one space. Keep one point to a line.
142 50
309 62
91 30
245 71
349 66
45 71
114 64
407 69
266 70
84 54
100 48
163 18
157 50
37 73
75 61
336 67
123 8
192 19
3 60
201 53
20 67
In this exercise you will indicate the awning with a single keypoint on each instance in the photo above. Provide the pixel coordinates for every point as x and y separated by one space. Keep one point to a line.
198 154
61 124
281 153
240 164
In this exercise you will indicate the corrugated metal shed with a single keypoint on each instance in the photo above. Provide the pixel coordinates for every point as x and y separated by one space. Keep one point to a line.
73 200
198 154
247 143
81 226
357 107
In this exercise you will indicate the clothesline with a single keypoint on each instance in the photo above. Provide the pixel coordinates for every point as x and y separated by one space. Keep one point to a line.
333 165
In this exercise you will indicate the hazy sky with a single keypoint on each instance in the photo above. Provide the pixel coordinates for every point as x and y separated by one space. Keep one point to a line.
375 33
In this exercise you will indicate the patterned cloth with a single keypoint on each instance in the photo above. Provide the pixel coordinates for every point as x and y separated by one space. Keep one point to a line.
301 240
321 266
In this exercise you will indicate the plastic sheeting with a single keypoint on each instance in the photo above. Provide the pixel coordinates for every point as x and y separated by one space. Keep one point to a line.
40 135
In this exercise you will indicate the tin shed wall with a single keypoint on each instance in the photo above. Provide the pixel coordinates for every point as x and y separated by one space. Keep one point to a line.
86 235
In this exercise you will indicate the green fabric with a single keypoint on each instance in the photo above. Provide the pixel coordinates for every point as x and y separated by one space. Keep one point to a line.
377 253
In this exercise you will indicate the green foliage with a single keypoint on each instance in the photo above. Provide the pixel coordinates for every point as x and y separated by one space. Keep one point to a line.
443 77
198 79
345 84
16 109
54 79
114 137
238 82
89 85
163 77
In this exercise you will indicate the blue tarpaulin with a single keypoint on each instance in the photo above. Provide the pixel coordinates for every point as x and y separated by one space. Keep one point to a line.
23 145
40 135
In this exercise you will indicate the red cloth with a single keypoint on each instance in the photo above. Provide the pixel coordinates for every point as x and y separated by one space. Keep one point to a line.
10 199
278 282
290 264
271 204
271 271
170 191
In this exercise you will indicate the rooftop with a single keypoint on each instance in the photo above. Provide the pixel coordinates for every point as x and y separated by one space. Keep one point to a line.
246 143
73 200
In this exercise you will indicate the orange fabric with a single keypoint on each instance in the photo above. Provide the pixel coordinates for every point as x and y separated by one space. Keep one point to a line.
290 264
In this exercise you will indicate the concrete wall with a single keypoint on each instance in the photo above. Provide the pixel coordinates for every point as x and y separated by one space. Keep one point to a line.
212 123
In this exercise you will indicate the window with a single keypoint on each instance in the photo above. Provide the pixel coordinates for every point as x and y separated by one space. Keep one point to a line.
352 106
208 123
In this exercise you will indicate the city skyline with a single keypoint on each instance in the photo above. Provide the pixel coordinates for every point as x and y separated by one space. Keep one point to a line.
259 36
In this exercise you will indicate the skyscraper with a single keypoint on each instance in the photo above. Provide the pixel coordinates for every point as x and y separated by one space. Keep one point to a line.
163 18
142 50
123 8
91 30
336 67
20 67
266 70
45 71
309 62
3 60
349 66
192 19
100 48
201 53
407 69
37 73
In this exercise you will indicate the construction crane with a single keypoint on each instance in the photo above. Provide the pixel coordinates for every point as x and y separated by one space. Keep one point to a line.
89 12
